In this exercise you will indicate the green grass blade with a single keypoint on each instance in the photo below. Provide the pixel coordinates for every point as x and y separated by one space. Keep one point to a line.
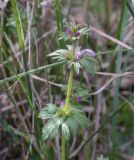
30 71
131 9
116 102
21 41
57 7
18 23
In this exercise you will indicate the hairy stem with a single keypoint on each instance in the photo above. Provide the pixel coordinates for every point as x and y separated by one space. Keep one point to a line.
69 88
63 149
70 82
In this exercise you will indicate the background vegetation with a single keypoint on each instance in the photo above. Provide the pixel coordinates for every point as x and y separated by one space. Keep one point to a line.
29 80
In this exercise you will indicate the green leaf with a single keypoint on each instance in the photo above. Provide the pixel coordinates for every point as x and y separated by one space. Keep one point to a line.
82 120
102 158
48 111
59 54
83 31
45 115
69 63
51 128
73 125
77 67
50 108
70 47
65 131
88 65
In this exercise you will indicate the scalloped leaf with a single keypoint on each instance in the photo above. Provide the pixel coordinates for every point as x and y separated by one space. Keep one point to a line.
51 108
73 125
65 131
63 36
57 52
102 158
83 31
45 115
48 111
51 128
77 67
88 65
82 120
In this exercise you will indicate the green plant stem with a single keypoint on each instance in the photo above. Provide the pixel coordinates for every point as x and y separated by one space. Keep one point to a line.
70 82
63 149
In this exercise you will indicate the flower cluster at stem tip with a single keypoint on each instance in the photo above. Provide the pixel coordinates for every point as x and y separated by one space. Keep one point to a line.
73 33
72 29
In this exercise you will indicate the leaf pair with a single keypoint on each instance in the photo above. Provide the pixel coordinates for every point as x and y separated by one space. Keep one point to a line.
86 62
58 118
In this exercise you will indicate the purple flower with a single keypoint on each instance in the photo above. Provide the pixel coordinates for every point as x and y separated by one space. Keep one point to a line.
77 34
88 52
78 99
71 32
68 31
78 55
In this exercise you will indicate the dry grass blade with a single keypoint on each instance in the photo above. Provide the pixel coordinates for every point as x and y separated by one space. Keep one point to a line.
110 38
111 80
